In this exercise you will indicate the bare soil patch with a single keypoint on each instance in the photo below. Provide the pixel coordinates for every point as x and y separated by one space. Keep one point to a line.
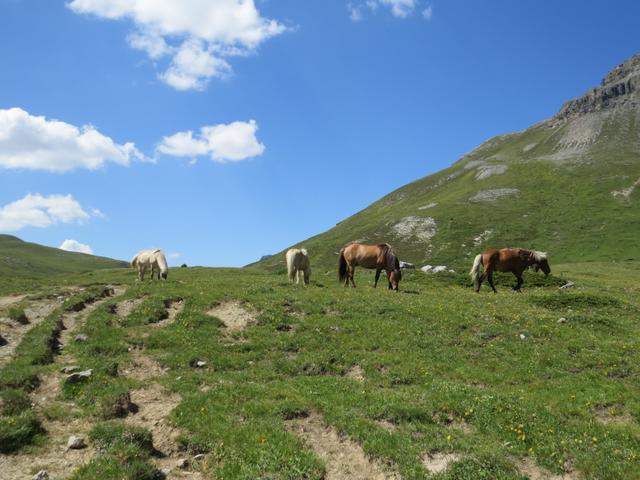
233 315
174 307
143 367
10 300
355 373
125 307
344 458
436 462
609 415
528 467
387 425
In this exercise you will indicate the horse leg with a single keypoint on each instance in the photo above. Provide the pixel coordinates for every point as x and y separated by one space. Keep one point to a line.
520 281
490 278
378 270
352 270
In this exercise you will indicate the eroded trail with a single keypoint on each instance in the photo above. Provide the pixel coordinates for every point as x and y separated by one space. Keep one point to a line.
13 331
58 460
344 459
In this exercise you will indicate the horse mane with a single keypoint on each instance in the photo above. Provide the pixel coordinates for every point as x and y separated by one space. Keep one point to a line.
539 256
304 252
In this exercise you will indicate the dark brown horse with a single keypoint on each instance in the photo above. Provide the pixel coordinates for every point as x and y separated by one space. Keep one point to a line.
514 260
380 257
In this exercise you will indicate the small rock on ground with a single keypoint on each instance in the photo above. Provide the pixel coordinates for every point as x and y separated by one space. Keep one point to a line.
76 443
41 475
78 377
81 337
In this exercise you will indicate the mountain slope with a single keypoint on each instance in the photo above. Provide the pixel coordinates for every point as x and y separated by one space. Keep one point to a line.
24 259
569 185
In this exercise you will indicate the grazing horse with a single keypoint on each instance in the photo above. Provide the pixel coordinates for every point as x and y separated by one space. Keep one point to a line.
380 257
297 263
514 260
153 260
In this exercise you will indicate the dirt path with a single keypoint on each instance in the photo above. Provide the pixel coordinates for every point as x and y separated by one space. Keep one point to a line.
344 459
55 457
437 462
125 307
233 315
155 403
13 331
10 300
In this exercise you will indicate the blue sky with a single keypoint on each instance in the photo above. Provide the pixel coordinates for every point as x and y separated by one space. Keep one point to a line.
301 113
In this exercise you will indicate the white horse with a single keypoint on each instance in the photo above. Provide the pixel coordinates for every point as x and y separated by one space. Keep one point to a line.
153 260
297 263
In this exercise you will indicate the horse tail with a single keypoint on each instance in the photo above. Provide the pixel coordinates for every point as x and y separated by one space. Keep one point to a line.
161 261
476 270
290 267
342 267
396 266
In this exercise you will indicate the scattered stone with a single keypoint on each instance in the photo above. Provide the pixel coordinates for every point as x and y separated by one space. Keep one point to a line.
562 320
182 463
407 266
78 377
436 269
76 443
165 472
200 364
493 195
522 336
569 284
41 475
199 457
81 337
70 369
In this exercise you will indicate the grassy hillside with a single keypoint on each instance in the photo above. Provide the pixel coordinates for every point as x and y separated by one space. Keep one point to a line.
566 185
24 259
504 386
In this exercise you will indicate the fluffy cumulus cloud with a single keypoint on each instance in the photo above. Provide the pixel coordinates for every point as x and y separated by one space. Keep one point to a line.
196 35
398 8
75 246
36 143
40 211
225 142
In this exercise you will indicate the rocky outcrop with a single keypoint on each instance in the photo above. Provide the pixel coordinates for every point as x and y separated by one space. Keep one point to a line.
619 87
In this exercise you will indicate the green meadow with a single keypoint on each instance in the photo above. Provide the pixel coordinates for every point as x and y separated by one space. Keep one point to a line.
546 378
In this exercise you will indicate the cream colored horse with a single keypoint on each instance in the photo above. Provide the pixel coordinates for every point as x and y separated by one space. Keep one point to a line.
153 260
298 263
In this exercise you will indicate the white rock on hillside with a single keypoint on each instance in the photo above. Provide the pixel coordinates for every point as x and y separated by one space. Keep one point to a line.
493 194
422 228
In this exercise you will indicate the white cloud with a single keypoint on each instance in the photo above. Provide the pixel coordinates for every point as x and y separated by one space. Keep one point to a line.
198 31
400 8
75 246
174 255
36 143
427 13
39 211
231 142
192 67
355 14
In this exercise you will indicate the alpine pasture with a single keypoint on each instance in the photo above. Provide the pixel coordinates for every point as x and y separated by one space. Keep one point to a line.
236 373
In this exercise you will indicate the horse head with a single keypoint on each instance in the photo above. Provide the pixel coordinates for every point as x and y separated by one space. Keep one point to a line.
395 274
541 262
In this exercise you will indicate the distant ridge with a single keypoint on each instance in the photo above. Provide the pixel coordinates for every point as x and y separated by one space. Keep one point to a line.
569 185
24 259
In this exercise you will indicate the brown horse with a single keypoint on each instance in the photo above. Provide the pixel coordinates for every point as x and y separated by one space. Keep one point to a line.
380 257
514 260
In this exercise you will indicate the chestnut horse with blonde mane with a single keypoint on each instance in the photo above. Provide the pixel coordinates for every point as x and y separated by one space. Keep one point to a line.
379 257
514 260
